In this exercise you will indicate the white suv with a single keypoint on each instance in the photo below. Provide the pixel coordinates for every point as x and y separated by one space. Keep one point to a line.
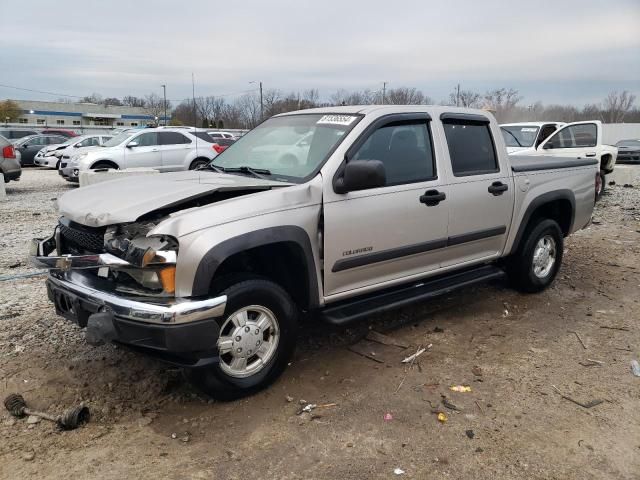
52 155
164 149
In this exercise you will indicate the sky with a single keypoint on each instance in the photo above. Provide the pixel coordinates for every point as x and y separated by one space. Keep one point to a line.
562 51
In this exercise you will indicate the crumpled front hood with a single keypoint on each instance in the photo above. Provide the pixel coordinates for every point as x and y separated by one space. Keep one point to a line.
127 199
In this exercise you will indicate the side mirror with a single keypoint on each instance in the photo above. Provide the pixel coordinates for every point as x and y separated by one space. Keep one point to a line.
132 144
361 175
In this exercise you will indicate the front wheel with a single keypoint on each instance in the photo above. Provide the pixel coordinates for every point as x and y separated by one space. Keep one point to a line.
535 265
257 339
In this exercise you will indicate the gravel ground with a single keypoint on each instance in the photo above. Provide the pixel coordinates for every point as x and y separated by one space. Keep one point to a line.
510 348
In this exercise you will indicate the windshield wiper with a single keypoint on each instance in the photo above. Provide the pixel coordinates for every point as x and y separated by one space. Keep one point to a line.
514 137
213 167
256 172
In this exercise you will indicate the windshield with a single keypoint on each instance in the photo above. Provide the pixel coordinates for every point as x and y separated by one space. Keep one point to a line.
118 139
71 140
519 135
291 146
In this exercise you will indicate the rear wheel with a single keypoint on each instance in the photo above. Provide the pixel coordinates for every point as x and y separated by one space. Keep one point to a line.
257 339
535 265
600 185
198 163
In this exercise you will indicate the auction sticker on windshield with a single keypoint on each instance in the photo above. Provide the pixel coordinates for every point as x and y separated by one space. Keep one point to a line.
337 119
528 129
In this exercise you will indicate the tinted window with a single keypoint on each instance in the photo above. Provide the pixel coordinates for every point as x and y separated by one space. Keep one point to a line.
148 139
404 148
36 141
55 140
470 148
203 136
172 138
575 136
225 142
89 142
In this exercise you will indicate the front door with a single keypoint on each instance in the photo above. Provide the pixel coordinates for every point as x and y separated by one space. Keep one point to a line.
481 187
577 139
143 151
377 237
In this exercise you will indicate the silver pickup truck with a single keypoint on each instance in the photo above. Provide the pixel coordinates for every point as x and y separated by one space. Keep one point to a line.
337 212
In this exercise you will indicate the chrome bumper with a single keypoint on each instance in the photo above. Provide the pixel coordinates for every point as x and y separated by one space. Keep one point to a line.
175 311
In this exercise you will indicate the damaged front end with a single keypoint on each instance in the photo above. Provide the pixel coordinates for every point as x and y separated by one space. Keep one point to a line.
119 283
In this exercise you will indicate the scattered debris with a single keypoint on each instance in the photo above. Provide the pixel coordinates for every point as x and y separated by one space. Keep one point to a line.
477 371
479 407
591 363
460 388
411 362
624 329
438 330
69 420
289 398
449 405
387 417
367 354
627 185
15 265
470 434
306 409
174 435
29 455
186 437
579 338
635 368
398 471
384 339
33 419
442 417
420 351
589 404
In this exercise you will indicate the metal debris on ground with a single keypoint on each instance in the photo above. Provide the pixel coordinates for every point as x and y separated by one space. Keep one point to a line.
306 409
69 420
635 368
449 405
460 388
419 352
589 404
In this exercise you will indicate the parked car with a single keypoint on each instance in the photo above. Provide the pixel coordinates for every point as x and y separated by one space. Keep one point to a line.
581 139
393 204
221 144
628 151
160 148
12 134
60 131
52 155
30 146
9 161
524 135
218 134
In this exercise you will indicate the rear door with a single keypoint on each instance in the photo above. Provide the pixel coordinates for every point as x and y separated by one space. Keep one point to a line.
143 151
174 147
481 189
578 139
379 236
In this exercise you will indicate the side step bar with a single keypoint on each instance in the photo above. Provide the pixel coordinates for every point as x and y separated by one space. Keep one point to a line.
349 311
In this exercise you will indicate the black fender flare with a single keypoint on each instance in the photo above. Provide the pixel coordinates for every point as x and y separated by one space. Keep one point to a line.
219 253
537 202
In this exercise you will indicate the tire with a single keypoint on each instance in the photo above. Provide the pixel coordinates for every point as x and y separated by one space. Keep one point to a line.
104 165
198 162
527 275
227 381
58 165
603 183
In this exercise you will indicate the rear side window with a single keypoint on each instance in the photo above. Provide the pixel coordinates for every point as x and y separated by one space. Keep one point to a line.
471 148
172 138
575 136
203 136
405 150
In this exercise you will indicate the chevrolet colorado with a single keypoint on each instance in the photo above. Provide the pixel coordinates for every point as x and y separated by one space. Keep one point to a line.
212 269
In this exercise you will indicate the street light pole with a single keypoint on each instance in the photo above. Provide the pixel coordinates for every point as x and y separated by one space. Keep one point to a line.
384 92
164 89
261 101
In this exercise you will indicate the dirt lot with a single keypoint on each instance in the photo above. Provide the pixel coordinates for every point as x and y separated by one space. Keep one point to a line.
510 348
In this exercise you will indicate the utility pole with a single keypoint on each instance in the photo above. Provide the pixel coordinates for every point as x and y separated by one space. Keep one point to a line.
261 104
164 89
458 96
384 92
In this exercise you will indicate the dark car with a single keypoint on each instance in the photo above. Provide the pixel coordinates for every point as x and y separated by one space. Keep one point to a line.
12 134
628 151
29 146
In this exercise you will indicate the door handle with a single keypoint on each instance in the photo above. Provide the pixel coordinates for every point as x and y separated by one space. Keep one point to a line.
497 188
432 198
592 154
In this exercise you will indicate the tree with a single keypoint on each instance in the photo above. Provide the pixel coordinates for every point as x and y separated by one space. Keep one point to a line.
9 109
502 101
154 103
465 98
93 98
406 96
131 101
183 113
616 106
209 109
112 102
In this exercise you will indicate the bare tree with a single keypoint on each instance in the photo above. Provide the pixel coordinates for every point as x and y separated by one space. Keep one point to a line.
112 102
93 98
502 101
406 96
616 106
132 101
363 97
248 109
465 98
154 103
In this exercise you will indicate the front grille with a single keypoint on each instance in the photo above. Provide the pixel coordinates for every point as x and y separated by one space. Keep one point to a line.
79 239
